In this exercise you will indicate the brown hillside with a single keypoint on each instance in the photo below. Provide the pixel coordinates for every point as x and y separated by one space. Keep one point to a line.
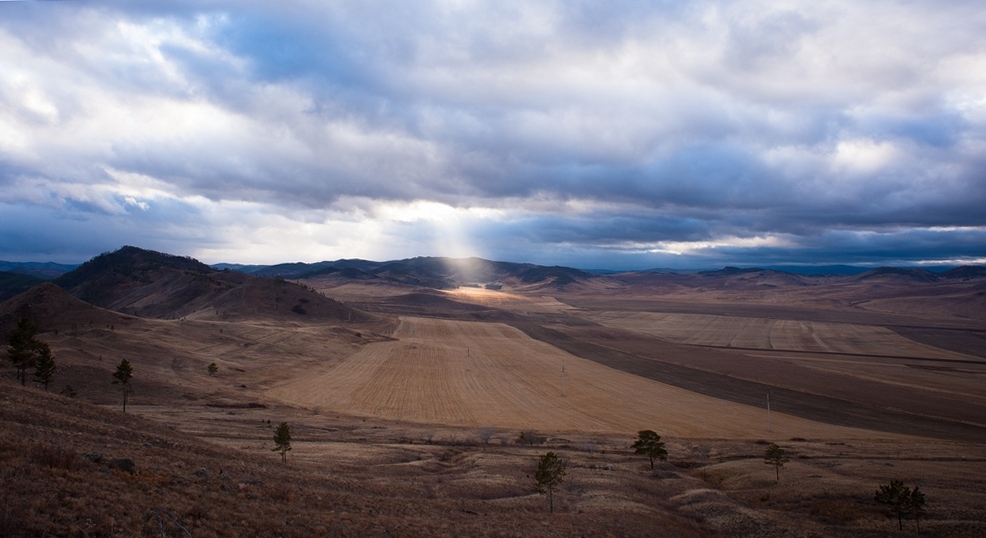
155 285
59 479
174 294
274 298
50 307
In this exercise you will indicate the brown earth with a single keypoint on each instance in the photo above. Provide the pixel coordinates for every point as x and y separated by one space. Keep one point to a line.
388 411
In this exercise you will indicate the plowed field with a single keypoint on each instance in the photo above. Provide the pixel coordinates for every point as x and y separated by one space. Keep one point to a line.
776 334
489 374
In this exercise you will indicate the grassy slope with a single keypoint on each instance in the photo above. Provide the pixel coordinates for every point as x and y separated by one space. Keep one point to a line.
50 488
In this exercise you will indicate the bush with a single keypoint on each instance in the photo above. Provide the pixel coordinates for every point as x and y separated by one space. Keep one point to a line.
53 456
531 438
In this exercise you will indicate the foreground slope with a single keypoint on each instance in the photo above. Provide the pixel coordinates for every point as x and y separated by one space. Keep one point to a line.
59 478
352 477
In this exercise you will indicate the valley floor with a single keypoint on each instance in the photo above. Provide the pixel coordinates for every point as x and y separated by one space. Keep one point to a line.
406 422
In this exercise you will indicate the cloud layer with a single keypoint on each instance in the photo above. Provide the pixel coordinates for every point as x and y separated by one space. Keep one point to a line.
597 134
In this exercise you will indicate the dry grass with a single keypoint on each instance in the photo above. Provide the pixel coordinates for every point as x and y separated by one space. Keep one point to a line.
367 477
386 425
186 486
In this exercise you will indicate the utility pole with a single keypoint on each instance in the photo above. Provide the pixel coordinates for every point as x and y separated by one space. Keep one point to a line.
768 411
563 379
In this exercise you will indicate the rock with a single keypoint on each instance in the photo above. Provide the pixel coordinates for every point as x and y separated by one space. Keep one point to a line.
126 465
94 457
202 473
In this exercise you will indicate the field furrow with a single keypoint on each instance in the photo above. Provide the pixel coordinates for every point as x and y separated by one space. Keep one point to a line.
777 334
490 374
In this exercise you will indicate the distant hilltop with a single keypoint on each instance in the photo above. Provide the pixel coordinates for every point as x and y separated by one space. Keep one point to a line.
446 273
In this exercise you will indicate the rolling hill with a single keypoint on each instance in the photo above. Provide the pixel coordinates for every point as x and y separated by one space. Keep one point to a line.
429 272
151 284
12 284
50 307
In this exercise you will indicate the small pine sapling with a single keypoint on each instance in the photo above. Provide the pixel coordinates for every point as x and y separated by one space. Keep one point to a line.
282 441
44 366
776 456
550 474
124 372
896 498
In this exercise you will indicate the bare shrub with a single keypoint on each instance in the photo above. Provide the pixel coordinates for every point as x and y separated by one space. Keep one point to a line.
487 491
838 511
281 493
164 523
10 525
531 438
485 434
53 456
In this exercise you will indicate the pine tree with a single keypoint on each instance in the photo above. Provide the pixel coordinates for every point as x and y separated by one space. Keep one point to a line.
23 348
44 367
776 456
282 440
916 506
649 443
212 368
124 372
896 497
550 474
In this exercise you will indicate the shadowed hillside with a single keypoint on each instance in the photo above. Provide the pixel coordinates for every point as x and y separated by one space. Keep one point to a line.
272 297
12 284
50 307
152 284
429 272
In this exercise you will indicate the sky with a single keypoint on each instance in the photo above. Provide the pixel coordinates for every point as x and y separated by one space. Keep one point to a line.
617 134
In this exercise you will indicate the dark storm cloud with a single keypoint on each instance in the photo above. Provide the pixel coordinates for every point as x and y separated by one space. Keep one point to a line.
590 130
905 247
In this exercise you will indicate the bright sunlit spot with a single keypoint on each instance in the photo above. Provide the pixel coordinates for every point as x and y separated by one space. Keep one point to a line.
442 224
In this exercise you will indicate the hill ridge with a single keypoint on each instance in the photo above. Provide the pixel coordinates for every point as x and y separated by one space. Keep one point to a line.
152 284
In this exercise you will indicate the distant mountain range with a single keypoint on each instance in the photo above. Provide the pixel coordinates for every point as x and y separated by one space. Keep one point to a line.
451 267
43 271
134 282
430 272
147 283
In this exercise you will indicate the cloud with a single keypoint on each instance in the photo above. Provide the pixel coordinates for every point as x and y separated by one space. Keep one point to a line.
578 129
